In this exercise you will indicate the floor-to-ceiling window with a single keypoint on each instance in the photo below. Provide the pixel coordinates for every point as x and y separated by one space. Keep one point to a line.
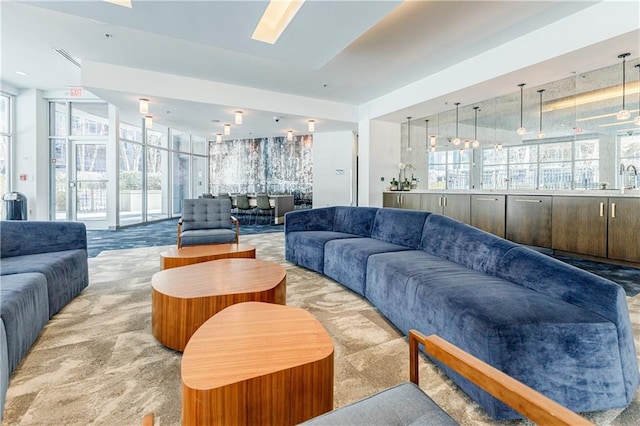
6 118
131 164
157 169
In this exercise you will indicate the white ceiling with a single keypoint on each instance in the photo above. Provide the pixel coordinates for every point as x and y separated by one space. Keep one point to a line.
348 52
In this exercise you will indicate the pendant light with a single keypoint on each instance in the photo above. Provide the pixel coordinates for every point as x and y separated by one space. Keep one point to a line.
623 114
521 130
409 149
289 135
144 106
637 120
238 117
218 137
540 133
456 141
476 142
312 126
227 129
148 122
426 136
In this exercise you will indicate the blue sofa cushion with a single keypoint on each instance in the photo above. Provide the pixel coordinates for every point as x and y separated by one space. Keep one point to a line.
24 312
463 244
578 348
4 367
345 260
401 405
306 248
320 219
66 272
391 225
207 236
354 221
20 237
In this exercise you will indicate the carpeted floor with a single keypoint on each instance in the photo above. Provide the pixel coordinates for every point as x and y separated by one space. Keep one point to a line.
97 362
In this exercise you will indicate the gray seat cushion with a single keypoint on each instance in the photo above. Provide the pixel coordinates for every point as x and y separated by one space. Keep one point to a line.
404 404
207 236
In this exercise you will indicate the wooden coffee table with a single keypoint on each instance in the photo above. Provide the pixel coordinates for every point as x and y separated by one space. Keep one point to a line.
257 364
195 254
182 299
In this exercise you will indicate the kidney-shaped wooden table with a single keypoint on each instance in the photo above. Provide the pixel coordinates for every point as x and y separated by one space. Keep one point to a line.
257 364
183 298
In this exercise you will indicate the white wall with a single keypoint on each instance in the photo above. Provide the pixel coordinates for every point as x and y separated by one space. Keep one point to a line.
334 160
379 155
31 153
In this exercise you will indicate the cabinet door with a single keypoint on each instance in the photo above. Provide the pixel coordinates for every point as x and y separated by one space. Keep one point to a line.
488 213
390 200
529 220
410 201
431 203
624 229
458 206
579 225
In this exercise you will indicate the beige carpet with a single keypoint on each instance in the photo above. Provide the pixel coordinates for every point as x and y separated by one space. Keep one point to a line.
97 362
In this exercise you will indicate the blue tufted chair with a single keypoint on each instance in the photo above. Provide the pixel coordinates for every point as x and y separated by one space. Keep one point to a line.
207 221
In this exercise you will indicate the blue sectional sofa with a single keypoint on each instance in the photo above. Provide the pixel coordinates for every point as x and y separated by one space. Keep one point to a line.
561 330
43 266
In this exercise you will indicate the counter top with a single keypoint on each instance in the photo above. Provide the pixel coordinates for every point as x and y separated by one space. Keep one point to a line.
575 193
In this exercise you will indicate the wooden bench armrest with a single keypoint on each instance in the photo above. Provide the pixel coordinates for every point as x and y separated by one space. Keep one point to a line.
525 400
179 231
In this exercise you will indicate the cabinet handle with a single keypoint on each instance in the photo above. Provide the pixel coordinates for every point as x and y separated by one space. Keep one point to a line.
397 199
613 209
486 199
402 199
439 201
527 201
445 201
601 209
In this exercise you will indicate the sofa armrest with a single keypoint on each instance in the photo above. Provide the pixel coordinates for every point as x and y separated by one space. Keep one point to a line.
520 397
309 220
32 237
235 221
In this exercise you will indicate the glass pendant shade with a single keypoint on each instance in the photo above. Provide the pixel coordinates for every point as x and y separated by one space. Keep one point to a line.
148 122
312 126
521 130
433 148
475 143
218 137
144 106
467 144
238 117
623 114
432 140
227 129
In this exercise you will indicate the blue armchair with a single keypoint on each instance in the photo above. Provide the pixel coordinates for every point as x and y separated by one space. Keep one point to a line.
207 221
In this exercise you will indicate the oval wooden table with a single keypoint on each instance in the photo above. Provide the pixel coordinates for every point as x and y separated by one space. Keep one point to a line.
182 299
189 255
257 364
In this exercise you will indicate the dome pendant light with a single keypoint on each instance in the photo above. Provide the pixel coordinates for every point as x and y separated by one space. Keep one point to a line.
623 114
521 130
409 149
540 134
456 141
476 142
637 120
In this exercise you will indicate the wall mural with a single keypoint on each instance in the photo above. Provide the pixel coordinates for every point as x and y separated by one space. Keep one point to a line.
272 165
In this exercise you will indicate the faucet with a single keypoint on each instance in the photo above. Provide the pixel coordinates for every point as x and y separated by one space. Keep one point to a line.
633 168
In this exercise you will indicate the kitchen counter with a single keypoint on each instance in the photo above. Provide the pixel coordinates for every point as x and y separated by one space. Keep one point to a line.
575 193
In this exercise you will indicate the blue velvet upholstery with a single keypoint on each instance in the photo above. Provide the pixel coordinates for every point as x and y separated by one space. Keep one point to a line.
391 225
43 266
4 367
345 260
351 221
67 273
558 329
401 405
24 312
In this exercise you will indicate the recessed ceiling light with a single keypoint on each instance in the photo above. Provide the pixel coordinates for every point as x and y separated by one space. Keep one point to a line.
22 73
275 19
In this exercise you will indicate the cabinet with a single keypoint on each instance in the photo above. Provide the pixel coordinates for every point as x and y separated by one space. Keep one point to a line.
529 220
401 200
624 229
488 213
579 225
456 206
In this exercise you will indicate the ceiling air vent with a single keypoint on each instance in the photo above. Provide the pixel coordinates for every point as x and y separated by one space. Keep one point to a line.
67 56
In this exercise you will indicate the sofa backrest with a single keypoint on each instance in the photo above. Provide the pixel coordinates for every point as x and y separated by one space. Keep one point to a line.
399 226
319 219
463 244
21 237
355 220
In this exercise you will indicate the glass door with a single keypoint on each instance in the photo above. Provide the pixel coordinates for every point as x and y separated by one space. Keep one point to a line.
88 184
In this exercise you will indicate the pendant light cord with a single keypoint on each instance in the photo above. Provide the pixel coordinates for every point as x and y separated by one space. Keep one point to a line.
623 56
541 92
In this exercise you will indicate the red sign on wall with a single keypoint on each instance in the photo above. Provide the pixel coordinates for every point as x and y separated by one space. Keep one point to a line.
75 91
